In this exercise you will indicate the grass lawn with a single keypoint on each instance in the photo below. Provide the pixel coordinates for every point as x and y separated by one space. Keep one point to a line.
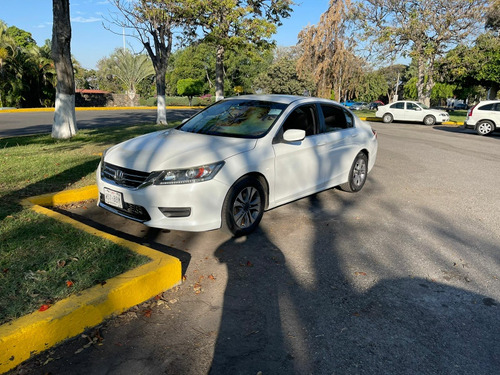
41 259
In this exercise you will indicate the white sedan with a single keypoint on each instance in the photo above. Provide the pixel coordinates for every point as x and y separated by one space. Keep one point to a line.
405 110
232 161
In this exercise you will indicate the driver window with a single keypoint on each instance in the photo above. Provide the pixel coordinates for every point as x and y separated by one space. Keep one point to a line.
411 106
303 118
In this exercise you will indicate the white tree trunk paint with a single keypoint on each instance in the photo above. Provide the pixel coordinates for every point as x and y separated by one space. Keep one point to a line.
161 116
64 126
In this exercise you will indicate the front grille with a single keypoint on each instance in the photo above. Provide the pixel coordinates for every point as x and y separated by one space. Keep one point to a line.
129 210
123 176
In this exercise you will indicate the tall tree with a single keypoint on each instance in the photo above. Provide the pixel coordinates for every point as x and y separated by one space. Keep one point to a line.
7 51
327 52
154 23
64 125
493 16
422 30
281 77
478 64
227 24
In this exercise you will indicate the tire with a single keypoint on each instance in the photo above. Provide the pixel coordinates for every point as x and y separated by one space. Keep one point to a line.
357 174
484 127
387 118
244 206
429 120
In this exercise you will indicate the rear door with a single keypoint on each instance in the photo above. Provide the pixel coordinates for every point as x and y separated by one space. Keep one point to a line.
338 144
398 111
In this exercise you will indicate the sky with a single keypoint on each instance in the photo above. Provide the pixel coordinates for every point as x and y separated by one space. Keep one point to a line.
91 41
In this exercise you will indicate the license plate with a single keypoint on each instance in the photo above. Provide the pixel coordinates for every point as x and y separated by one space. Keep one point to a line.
113 198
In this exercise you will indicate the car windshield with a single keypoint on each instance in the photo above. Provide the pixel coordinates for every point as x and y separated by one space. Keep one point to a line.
235 118
422 105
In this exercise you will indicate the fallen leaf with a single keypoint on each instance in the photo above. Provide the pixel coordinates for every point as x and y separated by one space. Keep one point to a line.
157 297
61 263
147 313
211 277
44 307
360 273
69 283
249 264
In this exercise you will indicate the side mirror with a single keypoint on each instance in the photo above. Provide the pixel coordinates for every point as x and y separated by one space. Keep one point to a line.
294 135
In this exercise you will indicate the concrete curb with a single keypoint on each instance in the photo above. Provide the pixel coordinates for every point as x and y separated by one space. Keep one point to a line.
38 331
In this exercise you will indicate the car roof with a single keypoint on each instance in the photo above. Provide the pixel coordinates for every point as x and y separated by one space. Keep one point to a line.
278 98
489 101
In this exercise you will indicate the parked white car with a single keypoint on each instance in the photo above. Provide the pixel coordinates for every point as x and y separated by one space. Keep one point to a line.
405 110
232 161
484 117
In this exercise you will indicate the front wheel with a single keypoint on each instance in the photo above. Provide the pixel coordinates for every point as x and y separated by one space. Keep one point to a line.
357 174
484 127
429 120
243 207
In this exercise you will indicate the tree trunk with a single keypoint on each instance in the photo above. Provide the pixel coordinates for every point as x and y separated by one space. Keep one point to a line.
492 92
219 74
64 125
161 113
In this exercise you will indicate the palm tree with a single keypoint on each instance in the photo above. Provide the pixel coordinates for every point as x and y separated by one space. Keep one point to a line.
129 69
7 51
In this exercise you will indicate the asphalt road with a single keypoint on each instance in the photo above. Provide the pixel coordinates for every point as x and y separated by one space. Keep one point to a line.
400 278
26 123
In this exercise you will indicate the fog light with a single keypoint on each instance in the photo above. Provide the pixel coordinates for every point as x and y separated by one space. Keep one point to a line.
175 211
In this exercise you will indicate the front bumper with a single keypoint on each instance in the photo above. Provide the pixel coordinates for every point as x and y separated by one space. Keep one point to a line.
191 207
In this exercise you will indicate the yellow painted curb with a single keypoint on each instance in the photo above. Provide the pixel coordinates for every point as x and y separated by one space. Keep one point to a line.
39 331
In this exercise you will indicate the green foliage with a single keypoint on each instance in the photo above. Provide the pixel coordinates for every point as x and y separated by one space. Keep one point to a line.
282 78
22 38
27 75
189 87
373 85
242 65
469 66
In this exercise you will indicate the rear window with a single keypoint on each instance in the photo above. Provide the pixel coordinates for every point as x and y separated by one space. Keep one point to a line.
490 107
398 105
487 107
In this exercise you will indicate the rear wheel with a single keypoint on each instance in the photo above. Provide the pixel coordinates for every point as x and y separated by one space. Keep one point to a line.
429 120
357 174
387 118
484 127
244 206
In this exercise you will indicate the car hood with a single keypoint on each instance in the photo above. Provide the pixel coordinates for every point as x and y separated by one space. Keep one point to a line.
173 149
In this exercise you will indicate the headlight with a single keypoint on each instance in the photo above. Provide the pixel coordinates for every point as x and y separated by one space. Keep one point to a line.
186 176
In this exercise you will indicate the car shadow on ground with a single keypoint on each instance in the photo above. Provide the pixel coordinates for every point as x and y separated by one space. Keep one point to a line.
463 130
341 321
